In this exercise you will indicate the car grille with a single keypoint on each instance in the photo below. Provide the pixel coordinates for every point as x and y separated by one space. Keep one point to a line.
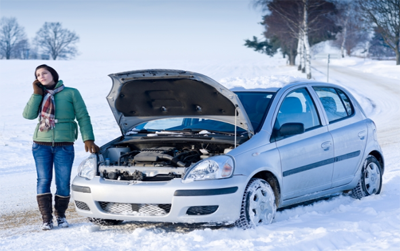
82 205
135 209
201 210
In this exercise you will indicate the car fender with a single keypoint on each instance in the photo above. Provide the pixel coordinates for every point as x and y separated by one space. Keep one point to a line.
264 158
373 144
257 153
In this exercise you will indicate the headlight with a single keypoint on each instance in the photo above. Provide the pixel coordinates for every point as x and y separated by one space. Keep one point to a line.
87 169
219 167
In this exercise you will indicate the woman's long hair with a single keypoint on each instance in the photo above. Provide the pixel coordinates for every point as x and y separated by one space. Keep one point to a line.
50 69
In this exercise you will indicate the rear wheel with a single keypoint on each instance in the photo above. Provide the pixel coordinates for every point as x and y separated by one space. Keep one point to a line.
104 222
371 179
258 205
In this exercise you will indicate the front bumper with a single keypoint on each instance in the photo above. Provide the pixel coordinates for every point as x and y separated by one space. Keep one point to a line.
227 194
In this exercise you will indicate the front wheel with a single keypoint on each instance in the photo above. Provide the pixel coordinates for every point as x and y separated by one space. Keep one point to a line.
371 179
258 205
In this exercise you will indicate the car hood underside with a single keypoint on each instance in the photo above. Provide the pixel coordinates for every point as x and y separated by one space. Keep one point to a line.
141 96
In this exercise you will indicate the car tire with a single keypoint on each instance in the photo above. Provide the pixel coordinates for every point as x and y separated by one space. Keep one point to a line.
104 222
371 179
258 205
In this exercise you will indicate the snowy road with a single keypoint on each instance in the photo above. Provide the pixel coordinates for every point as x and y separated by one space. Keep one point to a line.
385 98
340 223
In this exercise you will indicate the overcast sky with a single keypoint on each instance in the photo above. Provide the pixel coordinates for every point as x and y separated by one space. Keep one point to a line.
147 29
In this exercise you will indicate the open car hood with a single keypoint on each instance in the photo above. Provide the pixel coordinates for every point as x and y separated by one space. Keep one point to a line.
144 95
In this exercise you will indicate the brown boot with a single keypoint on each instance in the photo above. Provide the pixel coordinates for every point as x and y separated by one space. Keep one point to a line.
60 206
46 209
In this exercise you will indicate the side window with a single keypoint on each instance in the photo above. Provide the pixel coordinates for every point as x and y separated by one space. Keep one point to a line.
298 107
336 104
346 102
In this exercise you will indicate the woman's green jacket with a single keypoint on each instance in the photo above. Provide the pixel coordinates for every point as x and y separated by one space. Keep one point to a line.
69 106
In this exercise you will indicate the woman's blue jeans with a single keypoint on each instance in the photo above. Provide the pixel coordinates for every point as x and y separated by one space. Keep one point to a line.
62 157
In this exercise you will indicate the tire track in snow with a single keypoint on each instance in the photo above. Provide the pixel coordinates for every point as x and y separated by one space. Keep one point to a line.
384 105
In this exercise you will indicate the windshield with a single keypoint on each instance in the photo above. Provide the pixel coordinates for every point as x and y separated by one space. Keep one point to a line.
194 124
256 105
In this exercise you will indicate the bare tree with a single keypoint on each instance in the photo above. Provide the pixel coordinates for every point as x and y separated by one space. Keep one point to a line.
378 48
385 15
357 37
355 31
56 41
304 19
21 50
11 36
305 28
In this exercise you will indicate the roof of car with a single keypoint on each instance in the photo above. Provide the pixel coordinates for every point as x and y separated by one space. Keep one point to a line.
242 89
288 85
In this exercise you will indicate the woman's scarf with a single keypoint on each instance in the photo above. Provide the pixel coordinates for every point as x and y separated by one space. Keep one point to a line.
47 116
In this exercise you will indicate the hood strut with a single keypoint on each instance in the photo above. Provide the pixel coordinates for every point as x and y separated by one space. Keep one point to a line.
236 107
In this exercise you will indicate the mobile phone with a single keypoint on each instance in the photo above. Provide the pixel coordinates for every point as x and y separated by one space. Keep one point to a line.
39 84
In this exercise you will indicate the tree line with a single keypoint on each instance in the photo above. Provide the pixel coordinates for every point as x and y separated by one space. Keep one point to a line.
51 41
294 26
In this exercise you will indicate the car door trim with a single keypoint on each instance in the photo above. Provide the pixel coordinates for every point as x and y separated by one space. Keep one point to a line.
321 163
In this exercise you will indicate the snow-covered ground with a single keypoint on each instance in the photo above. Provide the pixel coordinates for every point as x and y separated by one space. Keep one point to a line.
339 223
387 69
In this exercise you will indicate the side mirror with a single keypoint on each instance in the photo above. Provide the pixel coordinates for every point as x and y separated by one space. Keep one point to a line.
290 129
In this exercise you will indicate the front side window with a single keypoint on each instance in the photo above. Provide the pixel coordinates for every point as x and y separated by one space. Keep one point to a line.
336 104
298 107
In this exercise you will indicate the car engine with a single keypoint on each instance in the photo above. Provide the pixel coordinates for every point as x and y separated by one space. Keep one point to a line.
155 163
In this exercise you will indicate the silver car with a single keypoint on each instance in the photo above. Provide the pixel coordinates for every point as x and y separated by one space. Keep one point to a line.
193 151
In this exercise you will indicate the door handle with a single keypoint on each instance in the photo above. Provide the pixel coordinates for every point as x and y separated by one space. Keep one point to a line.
326 145
362 134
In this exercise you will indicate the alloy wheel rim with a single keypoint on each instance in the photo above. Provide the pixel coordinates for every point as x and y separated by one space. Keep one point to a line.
372 179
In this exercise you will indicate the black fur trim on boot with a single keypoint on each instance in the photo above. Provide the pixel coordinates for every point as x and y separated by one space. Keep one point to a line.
46 209
60 206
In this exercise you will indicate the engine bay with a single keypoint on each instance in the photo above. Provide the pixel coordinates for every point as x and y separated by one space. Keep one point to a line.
155 161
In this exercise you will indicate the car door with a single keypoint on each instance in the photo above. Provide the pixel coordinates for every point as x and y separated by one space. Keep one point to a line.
306 158
349 133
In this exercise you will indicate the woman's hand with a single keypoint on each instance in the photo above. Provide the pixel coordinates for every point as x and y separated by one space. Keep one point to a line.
91 146
36 88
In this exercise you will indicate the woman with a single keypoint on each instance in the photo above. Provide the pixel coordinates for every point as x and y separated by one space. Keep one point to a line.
57 107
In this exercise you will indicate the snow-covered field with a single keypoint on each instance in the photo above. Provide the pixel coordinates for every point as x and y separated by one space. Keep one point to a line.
339 223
